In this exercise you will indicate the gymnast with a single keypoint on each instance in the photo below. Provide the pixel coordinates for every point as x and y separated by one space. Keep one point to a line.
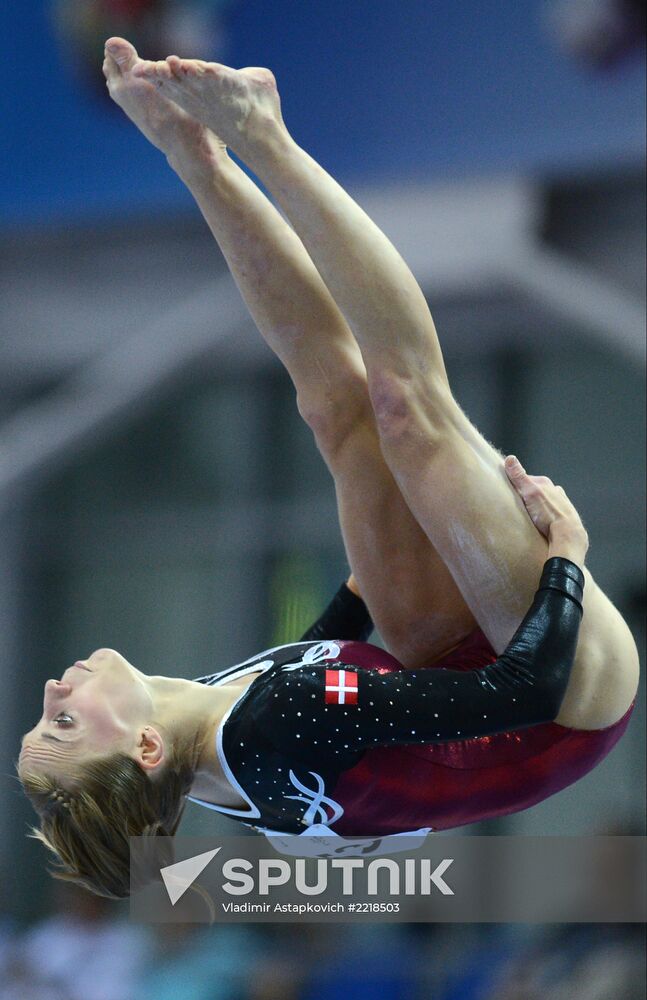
509 674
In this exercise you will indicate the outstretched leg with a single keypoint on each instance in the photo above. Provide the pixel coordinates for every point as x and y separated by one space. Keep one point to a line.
413 599
452 479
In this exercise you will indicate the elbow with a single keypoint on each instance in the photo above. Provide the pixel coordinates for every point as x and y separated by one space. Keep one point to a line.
554 708
550 701
545 702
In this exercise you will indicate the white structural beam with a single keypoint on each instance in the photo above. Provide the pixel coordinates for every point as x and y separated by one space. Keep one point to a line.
470 237
454 237
459 240
582 296
116 385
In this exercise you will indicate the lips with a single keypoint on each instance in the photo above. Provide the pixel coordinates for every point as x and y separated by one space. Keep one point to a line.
82 666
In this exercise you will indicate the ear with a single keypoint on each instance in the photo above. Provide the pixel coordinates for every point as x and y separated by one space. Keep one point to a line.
150 751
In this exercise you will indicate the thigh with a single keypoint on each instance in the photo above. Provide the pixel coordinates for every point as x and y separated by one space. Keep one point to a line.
417 607
455 484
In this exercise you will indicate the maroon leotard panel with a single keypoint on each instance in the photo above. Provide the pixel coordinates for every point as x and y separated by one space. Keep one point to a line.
445 785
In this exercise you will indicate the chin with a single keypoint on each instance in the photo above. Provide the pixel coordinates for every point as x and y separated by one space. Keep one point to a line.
108 657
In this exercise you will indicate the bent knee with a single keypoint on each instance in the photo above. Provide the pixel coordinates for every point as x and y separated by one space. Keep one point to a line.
333 412
412 407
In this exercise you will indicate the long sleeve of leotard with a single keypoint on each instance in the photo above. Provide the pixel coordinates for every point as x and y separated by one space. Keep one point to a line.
346 617
523 687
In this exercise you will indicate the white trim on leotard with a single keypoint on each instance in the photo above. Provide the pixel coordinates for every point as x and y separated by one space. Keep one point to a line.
325 649
319 836
230 672
253 811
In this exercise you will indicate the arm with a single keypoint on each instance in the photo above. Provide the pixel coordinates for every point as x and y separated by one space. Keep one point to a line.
346 617
523 687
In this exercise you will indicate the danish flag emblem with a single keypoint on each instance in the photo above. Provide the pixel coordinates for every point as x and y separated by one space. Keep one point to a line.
341 687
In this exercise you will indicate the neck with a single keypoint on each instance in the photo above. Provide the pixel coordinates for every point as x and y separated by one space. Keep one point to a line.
192 712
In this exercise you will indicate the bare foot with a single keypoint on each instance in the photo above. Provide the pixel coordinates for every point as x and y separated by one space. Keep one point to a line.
239 105
165 124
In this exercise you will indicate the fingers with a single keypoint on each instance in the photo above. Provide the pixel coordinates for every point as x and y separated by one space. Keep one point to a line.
547 505
514 468
517 474
520 478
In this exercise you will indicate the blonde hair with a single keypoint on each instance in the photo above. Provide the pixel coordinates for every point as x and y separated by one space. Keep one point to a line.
87 829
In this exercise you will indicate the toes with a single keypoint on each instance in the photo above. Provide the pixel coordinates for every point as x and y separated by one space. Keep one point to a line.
122 53
111 68
175 65
195 67
144 68
162 70
182 68
259 74
158 71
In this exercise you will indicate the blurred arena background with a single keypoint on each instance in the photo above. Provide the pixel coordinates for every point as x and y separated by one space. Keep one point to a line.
158 492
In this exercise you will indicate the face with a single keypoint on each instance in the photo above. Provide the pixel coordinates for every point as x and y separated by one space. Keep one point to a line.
98 706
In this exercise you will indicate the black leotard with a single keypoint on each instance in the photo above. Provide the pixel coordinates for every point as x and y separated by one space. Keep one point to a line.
346 617
283 733
523 687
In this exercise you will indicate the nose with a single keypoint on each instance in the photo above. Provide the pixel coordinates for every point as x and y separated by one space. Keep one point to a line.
54 690
57 687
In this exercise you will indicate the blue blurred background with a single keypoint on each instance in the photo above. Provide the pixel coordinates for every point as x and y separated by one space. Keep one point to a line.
158 493
374 89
